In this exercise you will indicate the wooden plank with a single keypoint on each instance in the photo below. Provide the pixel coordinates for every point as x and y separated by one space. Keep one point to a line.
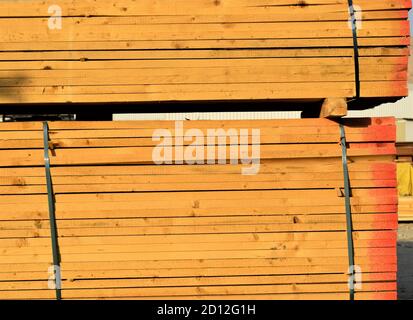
199 272
204 281
303 288
158 57
135 155
89 7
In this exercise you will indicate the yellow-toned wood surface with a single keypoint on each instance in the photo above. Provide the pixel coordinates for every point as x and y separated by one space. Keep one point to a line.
131 229
200 50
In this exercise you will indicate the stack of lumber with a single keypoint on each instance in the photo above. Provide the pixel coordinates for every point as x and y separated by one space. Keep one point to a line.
406 209
201 50
405 152
130 229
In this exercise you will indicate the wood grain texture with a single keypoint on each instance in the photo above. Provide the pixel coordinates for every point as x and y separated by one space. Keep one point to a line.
131 229
203 50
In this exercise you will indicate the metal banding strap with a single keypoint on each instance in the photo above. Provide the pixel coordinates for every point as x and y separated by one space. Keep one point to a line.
355 46
52 216
349 222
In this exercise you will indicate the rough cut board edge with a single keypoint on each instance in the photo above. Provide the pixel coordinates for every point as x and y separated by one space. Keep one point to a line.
405 209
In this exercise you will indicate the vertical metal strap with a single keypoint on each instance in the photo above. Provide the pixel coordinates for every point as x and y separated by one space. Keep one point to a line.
349 222
52 217
355 47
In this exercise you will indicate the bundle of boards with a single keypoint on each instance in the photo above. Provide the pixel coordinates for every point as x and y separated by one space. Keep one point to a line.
202 50
131 229
406 209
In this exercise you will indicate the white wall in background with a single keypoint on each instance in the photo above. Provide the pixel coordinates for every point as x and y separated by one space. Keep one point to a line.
400 109
208 116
